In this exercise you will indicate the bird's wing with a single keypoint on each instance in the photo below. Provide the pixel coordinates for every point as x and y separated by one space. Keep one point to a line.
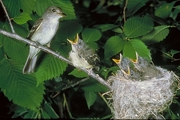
35 27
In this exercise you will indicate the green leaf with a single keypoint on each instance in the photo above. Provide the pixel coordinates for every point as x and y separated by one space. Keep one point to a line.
31 115
158 34
134 5
20 88
49 68
44 115
129 50
22 18
1 54
77 73
65 5
133 46
93 86
138 26
105 71
90 34
141 48
14 7
105 27
28 5
173 52
50 111
164 9
113 45
16 50
90 98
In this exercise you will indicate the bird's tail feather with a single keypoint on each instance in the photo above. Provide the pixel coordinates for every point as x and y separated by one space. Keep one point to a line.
29 65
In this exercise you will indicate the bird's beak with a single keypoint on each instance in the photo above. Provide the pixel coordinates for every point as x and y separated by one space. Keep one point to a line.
135 60
63 14
117 61
75 41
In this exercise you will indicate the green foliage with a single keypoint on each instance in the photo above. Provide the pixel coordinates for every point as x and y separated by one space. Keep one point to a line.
137 26
22 18
158 34
164 9
77 73
19 88
113 45
110 27
49 68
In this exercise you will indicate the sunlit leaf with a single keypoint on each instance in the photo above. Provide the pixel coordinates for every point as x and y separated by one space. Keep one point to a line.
138 26
133 46
89 34
22 18
113 45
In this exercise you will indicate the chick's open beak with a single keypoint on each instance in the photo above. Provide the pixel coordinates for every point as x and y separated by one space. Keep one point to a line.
75 41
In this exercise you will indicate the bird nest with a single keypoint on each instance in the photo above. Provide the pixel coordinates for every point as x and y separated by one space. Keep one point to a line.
142 98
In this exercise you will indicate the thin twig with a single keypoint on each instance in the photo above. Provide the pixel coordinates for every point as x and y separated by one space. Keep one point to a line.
47 50
67 106
69 86
124 10
12 28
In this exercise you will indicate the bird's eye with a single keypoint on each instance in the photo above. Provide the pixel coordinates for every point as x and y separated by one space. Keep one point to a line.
54 10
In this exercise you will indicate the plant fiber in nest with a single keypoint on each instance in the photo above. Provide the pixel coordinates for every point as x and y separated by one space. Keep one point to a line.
145 96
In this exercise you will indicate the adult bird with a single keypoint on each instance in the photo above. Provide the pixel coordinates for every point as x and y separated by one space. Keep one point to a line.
42 32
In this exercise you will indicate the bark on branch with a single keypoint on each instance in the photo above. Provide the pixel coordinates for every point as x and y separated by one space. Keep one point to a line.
56 54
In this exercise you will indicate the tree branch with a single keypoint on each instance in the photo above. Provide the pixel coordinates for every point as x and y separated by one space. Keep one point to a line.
12 28
47 50
124 10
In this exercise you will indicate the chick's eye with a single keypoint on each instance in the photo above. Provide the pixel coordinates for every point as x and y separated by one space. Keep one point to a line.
54 10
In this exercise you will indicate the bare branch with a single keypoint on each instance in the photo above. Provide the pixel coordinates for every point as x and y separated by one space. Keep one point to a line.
124 10
12 28
71 85
47 50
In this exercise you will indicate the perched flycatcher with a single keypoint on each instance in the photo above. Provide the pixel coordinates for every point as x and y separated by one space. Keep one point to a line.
42 32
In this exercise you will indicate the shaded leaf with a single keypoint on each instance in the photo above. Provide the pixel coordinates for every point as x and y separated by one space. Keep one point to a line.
49 68
93 86
78 73
158 34
164 9
137 26
90 98
50 111
105 27
65 5
16 50
113 45
134 5
21 89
